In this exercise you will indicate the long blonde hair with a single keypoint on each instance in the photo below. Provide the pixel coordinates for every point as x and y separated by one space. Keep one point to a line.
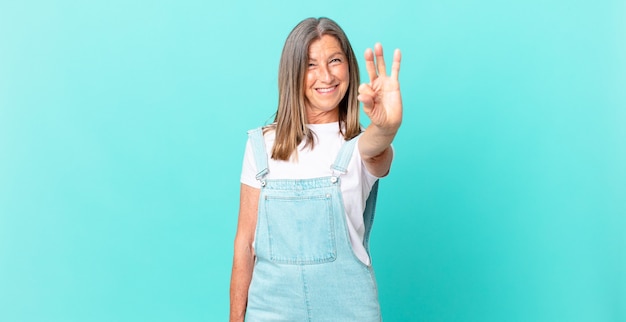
290 121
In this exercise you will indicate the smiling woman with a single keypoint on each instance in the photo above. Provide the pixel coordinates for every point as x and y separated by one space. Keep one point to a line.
326 80
301 249
296 64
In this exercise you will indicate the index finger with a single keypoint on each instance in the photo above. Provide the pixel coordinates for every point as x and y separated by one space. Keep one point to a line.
369 64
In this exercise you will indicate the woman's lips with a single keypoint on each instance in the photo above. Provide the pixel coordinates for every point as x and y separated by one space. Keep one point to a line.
326 90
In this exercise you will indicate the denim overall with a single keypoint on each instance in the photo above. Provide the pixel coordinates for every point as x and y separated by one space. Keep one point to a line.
305 268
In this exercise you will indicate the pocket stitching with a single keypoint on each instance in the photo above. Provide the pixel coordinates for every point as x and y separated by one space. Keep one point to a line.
322 256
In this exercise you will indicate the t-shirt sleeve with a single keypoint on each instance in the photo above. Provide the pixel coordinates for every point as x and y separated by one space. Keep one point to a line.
248 170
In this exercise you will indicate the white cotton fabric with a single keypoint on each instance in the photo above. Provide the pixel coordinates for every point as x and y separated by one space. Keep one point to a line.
356 184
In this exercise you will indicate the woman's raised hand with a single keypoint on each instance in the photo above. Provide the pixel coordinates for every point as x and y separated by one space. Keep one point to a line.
381 98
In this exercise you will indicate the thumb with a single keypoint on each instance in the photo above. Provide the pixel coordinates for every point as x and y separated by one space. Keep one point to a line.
366 96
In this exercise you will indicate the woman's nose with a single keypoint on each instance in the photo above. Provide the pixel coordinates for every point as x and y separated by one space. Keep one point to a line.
324 74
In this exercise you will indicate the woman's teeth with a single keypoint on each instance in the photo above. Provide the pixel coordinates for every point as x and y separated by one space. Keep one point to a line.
326 90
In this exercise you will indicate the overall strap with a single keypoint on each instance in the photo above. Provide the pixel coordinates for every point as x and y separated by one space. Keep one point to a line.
260 155
341 166
344 156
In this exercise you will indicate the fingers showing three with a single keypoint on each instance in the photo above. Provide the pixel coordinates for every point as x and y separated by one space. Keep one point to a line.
374 69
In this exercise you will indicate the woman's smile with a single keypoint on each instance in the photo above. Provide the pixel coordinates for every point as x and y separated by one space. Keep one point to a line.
326 90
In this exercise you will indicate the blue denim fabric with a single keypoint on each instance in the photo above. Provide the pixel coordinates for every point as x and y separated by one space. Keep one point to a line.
305 268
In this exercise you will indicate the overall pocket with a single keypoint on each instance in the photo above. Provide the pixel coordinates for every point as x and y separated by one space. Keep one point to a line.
300 229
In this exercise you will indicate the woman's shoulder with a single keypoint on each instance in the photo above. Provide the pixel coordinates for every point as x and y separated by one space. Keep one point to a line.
267 132
264 130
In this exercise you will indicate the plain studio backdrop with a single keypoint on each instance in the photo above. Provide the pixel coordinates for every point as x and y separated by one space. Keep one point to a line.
123 125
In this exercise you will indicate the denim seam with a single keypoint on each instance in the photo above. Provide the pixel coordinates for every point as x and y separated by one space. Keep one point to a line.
306 293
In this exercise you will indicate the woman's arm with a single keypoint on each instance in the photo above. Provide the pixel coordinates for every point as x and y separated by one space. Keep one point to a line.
382 103
376 152
243 259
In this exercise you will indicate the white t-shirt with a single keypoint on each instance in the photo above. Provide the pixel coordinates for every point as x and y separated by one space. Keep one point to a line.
356 183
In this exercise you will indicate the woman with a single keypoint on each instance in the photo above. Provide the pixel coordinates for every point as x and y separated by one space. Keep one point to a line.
309 183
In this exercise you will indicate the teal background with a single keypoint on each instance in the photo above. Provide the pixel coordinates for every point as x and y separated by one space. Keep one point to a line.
122 130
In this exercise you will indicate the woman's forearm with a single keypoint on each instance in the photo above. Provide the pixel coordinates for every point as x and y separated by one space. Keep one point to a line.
243 263
243 258
375 149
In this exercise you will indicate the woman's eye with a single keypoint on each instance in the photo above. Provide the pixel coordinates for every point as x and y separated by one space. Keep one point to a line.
335 60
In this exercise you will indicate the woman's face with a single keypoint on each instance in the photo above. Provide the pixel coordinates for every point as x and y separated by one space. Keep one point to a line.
327 80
